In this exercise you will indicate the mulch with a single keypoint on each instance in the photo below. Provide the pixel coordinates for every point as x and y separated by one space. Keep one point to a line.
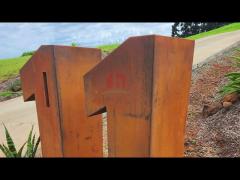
219 134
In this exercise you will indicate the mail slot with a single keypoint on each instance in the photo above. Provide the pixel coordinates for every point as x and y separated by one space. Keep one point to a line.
53 77
143 86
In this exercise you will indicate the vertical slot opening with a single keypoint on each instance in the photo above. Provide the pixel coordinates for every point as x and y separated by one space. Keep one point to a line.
105 134
46 89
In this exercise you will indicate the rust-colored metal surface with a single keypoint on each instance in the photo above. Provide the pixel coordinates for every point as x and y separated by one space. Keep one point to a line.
54 78
144 86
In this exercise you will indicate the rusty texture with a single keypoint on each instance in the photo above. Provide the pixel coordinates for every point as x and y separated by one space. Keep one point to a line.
143 86
53 77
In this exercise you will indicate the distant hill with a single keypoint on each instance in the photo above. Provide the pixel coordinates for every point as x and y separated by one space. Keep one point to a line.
223 29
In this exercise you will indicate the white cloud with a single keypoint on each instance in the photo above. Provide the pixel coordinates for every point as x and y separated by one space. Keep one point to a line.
16 38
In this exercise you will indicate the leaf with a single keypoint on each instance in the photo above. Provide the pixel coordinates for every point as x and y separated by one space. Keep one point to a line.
9 153
29 144
3 150
233 74
33 140
235 58
10 142
35 147
19 154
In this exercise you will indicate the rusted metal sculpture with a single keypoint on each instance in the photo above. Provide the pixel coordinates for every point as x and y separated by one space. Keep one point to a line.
54 78
144 87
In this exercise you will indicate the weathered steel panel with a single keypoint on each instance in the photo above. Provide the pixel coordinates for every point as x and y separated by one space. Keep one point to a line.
54 75
82 135
130 83
171 84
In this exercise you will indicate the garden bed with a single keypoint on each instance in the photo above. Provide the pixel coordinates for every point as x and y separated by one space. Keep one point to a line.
217 135
10 88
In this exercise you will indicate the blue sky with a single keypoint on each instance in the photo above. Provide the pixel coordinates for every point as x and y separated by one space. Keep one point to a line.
15 38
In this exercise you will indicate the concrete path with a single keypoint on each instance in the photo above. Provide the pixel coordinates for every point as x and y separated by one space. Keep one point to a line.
19 116
208 47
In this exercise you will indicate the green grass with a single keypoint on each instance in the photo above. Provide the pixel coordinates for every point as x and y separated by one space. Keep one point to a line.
5 94
224 29
10 67
108 48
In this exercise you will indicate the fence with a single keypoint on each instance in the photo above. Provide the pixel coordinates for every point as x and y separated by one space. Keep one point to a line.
143 86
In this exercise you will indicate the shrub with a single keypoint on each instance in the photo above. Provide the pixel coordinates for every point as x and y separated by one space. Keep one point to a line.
233 85
74 44
28 53
15 86
10 151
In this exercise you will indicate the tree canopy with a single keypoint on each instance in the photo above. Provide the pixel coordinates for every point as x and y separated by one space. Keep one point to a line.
185 29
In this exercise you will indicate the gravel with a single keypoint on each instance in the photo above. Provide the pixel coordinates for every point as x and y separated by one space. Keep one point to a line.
219 134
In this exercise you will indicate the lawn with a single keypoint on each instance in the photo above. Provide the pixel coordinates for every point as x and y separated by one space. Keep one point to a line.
108 48
10 67
224 29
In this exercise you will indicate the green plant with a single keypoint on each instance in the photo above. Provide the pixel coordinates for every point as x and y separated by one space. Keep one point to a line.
74 44
31 145
6 94
233 79
10 151
15 86
28 53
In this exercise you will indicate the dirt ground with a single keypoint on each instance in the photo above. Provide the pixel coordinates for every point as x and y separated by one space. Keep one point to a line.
4 85
219 134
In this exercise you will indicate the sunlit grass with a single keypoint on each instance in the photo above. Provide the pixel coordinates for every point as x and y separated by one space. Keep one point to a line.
10 67
223 29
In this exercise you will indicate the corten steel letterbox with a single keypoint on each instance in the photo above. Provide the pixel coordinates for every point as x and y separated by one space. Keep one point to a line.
53 77
143 86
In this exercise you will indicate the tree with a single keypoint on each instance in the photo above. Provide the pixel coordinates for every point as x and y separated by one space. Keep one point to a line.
176 29
185 29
